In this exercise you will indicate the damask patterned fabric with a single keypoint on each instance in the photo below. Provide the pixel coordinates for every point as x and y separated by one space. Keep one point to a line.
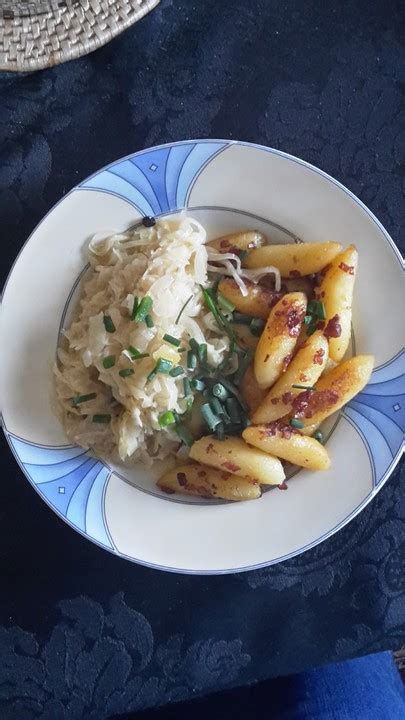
84 634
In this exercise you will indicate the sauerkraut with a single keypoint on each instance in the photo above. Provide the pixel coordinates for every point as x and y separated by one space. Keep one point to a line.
109 398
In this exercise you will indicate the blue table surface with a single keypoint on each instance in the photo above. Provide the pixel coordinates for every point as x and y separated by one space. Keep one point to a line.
82 633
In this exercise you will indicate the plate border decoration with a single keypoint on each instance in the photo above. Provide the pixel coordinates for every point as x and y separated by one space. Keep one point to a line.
159 181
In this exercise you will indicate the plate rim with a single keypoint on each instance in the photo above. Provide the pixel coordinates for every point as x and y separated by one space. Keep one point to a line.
364 502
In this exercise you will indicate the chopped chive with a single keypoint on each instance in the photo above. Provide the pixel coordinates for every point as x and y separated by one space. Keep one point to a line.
182 310
216 406
134 308
221 321
186 386
321 311
242 254
149 321
311 329
83 398
166 418
109 361
303 387
219 391
143 309
189 403
233 409
307 319
151 375
184 434
191 360
233 390
163 366
108 324
210 418
176 371
101 418
311 307
126 372
193 345
242 319
295 423
136 354
318 436
172 340
224 303
220 431
198 384
256 326
202 353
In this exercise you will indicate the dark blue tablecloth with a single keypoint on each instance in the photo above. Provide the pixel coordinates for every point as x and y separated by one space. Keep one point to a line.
85 634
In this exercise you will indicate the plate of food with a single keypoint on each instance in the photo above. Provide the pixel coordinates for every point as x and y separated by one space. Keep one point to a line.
190 332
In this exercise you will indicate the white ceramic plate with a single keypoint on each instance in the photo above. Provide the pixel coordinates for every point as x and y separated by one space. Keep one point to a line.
227 186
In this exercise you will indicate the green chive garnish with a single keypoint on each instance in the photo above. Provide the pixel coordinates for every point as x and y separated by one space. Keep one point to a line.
256 326
182 310
194 345
220 431
225 304
149 321
101 418
198 384
307 319
176 371
295 423
163 366
202 353
108 324
321 311
318 436
243 365
166 418
187 387
143 309
311 329
210 418
216 406
136 354
172 340
191 360
83 398
220 392
233 409
109 361
134 308
151 375
126 372
303 387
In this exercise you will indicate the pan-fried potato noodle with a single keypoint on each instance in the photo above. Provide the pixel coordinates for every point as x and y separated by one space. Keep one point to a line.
166 263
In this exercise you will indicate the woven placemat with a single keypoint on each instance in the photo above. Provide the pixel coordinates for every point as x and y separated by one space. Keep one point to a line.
42 33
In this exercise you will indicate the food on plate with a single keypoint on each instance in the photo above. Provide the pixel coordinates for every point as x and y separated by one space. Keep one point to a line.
207 482
335 291
278 339
220 358
233 455
257 302
295 259
333 390
302 373
238 243
286 442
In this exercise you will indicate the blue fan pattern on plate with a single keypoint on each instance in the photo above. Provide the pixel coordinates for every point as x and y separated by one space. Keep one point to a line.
157 181
71 481
378 414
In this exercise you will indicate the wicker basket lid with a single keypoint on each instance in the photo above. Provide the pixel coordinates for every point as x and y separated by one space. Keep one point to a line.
36 34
